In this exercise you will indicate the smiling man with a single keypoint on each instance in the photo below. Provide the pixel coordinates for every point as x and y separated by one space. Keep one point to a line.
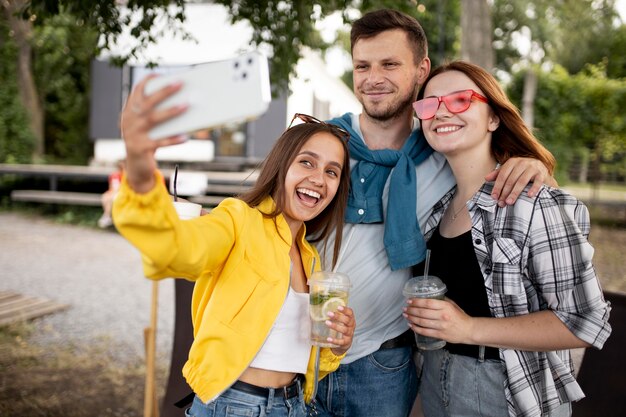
396 178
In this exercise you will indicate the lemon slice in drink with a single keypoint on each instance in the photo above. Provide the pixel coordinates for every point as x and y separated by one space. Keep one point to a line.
331 305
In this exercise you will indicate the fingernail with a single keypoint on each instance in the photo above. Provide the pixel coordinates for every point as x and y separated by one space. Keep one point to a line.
330 314
341 308
494 196
501 204
328 322
510 201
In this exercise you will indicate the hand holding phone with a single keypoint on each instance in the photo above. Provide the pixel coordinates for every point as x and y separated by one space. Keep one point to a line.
217 93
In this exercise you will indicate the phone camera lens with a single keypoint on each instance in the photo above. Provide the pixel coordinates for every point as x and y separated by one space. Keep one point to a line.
236 64
244 75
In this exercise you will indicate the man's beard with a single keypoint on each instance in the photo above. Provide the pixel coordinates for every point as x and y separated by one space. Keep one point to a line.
394 110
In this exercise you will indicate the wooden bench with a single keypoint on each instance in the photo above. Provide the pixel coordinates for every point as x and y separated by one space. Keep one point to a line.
91 199
215 185
57 197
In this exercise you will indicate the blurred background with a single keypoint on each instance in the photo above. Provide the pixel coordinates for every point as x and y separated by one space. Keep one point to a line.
66 68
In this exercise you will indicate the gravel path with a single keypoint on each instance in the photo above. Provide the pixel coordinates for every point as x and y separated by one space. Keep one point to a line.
97 272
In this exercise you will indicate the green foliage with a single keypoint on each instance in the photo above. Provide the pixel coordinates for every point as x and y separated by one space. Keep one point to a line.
511 18
441 22
147 20
555 30
581 115
16 138
615 58
64 48
64 40
287 26
572 47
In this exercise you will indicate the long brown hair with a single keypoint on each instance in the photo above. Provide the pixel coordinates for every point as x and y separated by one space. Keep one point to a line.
271 183
512 137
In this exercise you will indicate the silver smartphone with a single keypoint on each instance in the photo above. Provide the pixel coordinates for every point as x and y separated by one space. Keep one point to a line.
218 92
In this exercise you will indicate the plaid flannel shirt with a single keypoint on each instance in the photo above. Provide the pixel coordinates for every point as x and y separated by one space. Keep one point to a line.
535 256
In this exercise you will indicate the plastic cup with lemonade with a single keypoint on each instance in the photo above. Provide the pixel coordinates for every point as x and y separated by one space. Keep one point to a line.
327 291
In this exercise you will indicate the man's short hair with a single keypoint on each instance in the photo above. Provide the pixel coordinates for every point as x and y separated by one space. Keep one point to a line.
373 23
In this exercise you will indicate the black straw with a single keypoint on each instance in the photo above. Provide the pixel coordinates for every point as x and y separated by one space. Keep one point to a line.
175 181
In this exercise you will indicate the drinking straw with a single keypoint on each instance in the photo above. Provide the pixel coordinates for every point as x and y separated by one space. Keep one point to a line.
427 262
175 181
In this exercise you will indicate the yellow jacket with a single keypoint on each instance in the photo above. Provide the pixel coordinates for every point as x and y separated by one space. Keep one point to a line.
241 268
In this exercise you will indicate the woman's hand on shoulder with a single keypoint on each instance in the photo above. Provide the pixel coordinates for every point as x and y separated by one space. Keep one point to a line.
342 320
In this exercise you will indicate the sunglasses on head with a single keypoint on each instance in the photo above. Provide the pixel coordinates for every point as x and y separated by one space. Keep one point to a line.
457 102
337 131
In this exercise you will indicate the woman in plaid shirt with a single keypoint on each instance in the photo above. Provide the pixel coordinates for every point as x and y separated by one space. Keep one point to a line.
522 290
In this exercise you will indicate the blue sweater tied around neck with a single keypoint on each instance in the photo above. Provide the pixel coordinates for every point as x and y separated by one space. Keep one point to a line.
404 242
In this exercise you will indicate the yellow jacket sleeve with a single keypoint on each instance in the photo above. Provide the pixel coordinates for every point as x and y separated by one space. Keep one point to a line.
171 247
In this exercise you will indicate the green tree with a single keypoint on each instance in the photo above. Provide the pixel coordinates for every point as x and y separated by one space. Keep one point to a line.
145 19
287 26
16 140
441 22
616 59
551 32
580 118
574 48
64 49
477 33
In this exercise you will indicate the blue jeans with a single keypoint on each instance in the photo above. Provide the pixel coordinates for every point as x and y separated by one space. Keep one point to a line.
457 385
236 403
382 384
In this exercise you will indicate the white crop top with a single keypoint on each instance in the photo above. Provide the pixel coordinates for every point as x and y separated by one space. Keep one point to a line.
288 346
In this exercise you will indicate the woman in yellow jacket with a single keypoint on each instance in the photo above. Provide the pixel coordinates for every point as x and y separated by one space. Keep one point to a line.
249 259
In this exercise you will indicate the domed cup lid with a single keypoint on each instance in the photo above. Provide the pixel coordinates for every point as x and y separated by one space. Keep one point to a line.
424 287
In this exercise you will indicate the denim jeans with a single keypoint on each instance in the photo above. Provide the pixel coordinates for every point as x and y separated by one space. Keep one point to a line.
236 403
382 384
457 385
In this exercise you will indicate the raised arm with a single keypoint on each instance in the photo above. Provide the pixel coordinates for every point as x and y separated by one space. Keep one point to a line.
138 117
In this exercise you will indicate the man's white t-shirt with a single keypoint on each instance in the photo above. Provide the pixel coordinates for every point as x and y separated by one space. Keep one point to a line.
376 292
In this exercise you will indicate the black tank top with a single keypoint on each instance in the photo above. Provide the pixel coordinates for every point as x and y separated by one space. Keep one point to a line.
453 260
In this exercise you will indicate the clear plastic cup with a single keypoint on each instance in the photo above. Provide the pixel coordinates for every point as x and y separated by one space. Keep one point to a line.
428 286
187 210
327 291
